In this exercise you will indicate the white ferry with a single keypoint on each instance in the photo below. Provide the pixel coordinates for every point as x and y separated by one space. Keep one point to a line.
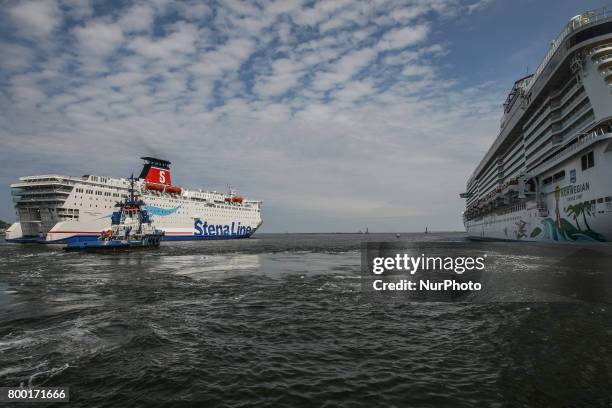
63 209
548 174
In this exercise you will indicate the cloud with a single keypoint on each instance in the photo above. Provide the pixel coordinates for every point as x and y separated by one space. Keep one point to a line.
418 70
343 69
15 57
404 37
139 17
35 19
225 57
479 5
285 75
181 39
78 9
98 37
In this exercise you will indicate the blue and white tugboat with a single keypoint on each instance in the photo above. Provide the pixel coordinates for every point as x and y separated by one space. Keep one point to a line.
131 228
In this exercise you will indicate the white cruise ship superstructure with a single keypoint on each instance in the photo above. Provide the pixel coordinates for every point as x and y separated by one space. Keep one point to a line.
61 209
548 174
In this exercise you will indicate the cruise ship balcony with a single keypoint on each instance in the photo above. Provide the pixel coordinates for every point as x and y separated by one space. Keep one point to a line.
604 64
601 50
582 142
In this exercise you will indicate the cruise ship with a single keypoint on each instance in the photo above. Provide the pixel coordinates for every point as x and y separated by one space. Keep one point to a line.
58 209
547 176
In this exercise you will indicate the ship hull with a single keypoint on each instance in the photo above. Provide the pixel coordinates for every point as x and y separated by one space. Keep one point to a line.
84 234
86 231
527 225
58 209
180 219
577 207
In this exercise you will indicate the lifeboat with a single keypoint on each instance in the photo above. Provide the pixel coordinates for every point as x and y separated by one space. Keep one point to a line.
237 199
228 199
162 187
155 186
174 189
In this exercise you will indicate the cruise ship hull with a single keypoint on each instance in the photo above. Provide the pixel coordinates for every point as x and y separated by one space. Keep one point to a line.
577 207
529 225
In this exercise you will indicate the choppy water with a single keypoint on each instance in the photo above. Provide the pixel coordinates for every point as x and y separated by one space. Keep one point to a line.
277 321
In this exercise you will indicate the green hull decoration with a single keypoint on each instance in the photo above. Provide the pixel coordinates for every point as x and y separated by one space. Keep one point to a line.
536 231
563 230
567 232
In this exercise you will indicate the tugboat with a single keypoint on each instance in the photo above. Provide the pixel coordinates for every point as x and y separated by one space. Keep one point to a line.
131 228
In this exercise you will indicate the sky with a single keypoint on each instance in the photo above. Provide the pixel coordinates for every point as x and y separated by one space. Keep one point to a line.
340 115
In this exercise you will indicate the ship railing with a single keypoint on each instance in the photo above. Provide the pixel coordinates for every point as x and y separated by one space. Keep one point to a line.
582 140
38 192
43 177
583 20
32 184
48 179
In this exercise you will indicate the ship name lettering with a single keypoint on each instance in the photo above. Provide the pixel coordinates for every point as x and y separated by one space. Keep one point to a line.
218 230
574 189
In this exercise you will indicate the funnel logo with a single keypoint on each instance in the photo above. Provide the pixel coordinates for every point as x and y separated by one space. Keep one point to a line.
157 175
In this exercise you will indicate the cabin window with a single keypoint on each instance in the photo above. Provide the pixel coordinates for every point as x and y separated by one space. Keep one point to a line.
548 180
599 200
588 161
559 176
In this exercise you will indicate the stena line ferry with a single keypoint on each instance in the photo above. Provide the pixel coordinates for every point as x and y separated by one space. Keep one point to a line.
57 209
547 176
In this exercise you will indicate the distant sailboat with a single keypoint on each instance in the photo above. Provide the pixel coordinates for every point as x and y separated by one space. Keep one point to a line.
427 232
